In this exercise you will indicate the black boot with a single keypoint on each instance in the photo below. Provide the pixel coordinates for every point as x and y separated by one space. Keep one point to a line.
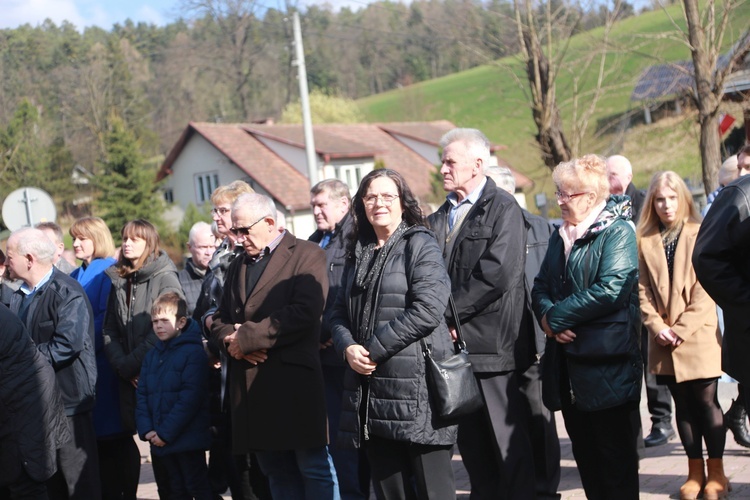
735 419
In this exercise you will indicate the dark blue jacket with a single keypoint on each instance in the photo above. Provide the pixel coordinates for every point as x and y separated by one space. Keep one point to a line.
96 283
172 395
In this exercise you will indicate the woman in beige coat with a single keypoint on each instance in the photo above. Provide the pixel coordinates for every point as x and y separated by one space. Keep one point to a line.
684 341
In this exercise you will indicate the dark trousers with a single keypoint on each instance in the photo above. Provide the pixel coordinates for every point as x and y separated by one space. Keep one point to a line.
187 474
658 398
604 447
494 442
402 470
544 440
77 475
24 488
352 469
119 467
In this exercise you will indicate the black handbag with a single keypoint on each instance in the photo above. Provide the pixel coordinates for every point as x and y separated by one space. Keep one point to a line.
450 382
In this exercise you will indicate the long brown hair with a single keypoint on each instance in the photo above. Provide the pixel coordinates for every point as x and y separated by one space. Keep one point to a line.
686 210
142 229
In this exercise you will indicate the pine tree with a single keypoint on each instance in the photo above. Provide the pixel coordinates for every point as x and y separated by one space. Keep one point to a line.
127 187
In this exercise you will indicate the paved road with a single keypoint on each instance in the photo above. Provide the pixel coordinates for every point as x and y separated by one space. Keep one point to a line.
663 469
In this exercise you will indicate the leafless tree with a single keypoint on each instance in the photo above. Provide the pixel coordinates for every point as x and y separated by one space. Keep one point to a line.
706 30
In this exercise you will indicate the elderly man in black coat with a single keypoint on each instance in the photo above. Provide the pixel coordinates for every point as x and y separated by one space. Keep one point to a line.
482 234
32 421
58 316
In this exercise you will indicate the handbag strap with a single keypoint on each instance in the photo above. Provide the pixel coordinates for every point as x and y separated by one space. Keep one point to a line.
459 343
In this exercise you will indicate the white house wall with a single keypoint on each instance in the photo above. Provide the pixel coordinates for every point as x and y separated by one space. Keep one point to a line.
198 157
426 151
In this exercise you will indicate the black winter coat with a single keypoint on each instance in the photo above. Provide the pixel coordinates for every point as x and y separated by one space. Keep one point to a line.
128 334
61 324
721 259
412 295
486 269
32 422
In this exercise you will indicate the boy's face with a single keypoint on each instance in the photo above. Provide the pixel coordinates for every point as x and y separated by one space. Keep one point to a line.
166 325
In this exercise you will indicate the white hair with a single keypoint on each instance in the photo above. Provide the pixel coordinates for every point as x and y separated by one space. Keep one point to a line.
32 241
620 161
198 228
502 176
473 139
258 204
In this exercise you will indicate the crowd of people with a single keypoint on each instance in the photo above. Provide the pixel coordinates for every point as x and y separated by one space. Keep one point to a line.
300 364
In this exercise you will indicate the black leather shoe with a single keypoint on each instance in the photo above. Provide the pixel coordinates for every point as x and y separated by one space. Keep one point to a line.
658 437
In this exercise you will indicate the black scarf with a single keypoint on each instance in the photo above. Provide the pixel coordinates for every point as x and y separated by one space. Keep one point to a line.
370 263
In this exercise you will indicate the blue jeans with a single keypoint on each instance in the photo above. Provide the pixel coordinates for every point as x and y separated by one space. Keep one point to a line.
300 474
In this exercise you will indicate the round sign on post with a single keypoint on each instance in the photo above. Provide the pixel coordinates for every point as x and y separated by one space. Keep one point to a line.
28 206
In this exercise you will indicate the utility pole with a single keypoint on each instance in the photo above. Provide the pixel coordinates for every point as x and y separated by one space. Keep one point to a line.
312 162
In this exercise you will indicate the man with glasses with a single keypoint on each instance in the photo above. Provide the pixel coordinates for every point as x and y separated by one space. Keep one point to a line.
481 230
269 325
659 400
241 472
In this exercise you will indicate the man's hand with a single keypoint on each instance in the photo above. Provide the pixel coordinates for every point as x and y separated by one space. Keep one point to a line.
134 382
359 359
256 357
325 345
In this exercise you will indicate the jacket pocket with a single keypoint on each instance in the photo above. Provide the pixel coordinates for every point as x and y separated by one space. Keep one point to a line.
44 330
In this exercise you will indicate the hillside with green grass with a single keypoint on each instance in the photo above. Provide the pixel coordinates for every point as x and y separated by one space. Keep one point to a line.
493 98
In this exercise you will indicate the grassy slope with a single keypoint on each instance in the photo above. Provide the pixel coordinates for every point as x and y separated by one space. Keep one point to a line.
492 99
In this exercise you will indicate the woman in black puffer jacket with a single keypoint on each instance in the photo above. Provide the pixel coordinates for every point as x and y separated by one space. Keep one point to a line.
395 293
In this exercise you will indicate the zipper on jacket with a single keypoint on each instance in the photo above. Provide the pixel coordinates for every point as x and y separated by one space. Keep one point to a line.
366 428
572 394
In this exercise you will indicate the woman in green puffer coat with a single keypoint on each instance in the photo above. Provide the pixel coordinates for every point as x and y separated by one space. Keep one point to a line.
588 284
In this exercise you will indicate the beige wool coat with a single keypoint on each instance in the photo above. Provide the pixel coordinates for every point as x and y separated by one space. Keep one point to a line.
685 307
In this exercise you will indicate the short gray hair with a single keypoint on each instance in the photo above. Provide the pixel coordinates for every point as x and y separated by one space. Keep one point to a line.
502 176
334 187
259 205
32 241
197 228
473 138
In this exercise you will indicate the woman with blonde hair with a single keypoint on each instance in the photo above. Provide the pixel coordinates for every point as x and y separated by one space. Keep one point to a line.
142 273
586 300
93 246
684 341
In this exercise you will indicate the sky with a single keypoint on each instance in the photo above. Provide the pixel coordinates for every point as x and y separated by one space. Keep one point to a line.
105 13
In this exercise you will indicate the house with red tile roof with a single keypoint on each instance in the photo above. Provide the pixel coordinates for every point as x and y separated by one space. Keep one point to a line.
271 158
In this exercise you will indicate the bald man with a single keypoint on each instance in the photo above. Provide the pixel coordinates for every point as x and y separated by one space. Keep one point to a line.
620 175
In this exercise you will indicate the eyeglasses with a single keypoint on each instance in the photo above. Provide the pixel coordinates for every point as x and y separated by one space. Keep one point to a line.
245 231
220 210
564 197
387 199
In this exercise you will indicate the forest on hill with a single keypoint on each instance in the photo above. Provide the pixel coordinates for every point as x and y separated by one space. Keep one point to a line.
64 92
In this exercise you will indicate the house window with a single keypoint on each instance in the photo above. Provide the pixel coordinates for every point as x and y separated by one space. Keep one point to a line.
169 195
205 184
351 175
